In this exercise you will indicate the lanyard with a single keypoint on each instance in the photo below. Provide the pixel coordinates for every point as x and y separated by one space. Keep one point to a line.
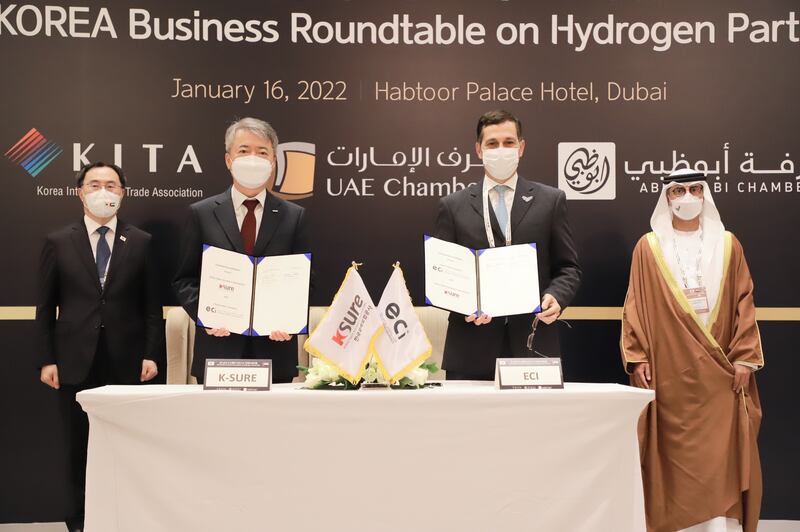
487 221
697 264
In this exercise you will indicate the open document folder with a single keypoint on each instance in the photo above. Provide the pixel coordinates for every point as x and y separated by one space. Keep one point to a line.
501 281
254 296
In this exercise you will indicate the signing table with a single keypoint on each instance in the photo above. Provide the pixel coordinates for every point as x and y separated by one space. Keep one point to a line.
462 457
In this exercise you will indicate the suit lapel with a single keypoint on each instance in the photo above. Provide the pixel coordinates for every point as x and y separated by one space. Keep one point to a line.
118 252
519 208
475 199
83 248
227 219
270 219
477 203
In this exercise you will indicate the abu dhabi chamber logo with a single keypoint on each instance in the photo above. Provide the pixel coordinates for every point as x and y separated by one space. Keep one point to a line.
587 170
33 152
294 178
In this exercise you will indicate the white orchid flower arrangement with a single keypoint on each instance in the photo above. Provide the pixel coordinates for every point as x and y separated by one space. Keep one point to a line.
321 375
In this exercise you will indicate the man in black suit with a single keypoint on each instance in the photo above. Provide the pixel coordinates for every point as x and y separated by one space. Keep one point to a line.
98 273
519 212
248 219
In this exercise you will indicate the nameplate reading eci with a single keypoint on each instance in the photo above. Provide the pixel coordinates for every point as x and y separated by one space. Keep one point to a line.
238 374
528 373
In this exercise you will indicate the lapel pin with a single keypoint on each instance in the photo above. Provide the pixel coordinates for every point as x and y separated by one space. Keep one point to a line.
122 238
274 210
527 198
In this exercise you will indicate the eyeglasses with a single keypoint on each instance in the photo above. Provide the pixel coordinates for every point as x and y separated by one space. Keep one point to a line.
680 191
532 335
94 186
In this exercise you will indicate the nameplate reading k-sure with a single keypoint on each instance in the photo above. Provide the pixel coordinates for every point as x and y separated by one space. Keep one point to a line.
238 374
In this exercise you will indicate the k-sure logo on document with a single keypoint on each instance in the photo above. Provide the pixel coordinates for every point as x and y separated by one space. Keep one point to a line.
587 170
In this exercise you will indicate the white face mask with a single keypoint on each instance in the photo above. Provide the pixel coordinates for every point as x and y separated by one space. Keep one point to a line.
102 203
687 207
251 171
501 163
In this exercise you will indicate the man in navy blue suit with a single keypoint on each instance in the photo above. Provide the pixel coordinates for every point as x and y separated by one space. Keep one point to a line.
519 211
99 274
248 219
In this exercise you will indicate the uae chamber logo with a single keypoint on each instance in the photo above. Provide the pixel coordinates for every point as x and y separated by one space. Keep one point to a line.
33 152
587 170
294 178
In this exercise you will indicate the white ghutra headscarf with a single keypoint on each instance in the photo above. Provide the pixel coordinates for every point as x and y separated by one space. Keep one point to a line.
713 231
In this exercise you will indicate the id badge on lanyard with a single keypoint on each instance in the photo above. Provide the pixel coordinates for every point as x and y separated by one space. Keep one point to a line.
487 223
698 299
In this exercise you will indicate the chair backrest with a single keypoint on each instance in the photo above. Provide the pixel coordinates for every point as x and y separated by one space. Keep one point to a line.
180 332
180 347
434 321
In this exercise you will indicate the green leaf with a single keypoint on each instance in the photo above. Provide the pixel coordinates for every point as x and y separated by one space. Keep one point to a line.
430 366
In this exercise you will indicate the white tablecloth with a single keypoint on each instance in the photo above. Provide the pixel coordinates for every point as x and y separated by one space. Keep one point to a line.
460 458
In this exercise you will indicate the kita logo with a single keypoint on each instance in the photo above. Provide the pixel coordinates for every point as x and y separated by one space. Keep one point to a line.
587 170
33 152
294 178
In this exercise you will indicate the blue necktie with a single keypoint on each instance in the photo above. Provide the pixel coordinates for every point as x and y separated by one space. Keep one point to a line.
103 254
500 210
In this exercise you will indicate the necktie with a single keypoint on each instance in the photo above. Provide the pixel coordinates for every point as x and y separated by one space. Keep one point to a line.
103 254
500 210
249 226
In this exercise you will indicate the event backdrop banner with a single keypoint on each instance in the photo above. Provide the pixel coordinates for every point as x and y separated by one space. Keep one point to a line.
375 104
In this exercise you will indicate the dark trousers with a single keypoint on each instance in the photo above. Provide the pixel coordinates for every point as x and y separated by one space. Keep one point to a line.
480 376
278 375
76 426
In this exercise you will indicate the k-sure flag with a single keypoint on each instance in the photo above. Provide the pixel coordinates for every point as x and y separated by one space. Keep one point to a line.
401 345
344 336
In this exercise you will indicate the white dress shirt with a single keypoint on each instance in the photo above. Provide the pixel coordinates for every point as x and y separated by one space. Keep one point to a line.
94 236
241 211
